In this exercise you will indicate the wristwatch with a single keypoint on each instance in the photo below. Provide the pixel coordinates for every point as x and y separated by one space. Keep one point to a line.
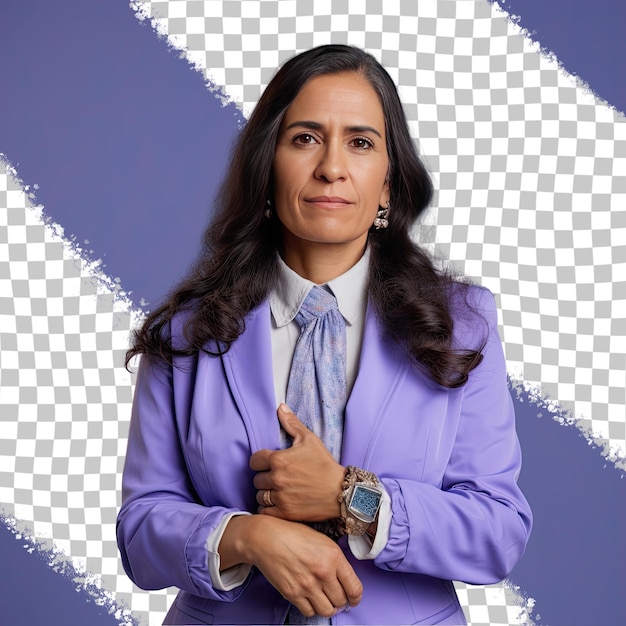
359 501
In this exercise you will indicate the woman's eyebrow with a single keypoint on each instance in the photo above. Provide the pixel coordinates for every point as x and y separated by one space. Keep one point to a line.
317 126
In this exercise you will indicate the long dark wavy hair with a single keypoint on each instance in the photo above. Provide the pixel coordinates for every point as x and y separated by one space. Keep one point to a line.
237 266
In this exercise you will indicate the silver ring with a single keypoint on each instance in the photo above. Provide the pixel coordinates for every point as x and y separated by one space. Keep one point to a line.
267 498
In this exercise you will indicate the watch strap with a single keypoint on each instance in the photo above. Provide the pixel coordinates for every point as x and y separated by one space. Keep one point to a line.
348 523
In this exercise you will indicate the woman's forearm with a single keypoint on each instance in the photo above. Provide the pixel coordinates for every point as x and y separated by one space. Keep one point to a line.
238 537
304 565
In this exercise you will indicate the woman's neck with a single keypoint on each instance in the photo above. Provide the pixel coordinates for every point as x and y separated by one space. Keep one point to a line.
322 262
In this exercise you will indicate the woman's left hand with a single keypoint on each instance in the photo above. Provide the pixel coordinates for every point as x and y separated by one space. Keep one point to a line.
303 480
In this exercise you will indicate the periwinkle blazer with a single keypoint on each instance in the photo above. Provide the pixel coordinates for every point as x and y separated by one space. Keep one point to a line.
449 458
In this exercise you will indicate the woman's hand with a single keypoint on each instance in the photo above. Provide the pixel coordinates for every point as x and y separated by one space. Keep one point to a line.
305 566
304 480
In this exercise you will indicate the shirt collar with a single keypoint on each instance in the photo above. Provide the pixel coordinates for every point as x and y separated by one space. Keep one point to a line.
291 289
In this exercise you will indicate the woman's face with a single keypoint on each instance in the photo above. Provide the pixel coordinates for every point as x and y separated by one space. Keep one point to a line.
330 165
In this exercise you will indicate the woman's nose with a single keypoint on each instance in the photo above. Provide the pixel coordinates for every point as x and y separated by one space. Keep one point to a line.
332 165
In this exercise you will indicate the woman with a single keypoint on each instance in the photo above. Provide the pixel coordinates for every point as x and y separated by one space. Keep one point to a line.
403 445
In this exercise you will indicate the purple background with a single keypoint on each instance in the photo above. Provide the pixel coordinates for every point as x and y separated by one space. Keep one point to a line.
128 146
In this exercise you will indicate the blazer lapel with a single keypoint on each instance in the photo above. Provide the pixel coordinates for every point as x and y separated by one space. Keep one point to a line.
383 365
249 373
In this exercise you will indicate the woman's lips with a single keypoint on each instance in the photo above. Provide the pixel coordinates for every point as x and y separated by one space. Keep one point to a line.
329 201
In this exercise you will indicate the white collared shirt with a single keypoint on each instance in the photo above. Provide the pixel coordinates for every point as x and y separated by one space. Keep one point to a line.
350 290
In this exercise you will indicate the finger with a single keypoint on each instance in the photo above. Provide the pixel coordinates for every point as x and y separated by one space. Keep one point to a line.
352 586
304 606
260 460
322 604
265 497
263 480
288 420
336 595
271 511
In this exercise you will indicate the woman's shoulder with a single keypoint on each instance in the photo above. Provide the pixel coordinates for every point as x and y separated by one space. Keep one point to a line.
466 296
474 313
174 332
175 328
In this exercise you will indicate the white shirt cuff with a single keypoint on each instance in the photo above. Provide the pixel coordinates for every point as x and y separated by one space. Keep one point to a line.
233 576
362 546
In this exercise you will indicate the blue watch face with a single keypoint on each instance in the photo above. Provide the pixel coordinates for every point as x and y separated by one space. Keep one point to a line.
364 503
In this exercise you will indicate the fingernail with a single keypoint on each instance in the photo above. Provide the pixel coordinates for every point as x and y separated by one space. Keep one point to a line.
284 408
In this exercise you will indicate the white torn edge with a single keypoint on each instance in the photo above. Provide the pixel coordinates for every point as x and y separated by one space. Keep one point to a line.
560 413
503 595
56 558
91 268
514 21
68 568
515 596
143 12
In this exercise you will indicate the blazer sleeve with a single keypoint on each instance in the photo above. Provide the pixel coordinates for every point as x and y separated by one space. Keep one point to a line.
162 527
475 525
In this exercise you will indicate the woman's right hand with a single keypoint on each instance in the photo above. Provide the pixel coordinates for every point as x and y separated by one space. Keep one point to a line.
304 565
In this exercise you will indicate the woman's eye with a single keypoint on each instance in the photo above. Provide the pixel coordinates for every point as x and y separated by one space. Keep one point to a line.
305 138
362 143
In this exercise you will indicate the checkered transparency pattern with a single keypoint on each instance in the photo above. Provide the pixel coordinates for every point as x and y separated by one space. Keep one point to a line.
487 605
531 178
530 169
65 400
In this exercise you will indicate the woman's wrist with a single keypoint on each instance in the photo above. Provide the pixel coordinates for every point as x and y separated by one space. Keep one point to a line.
337 484
236 545
244 536
359 501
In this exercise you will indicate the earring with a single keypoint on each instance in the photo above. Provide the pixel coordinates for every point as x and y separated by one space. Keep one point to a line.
268 212
381 220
